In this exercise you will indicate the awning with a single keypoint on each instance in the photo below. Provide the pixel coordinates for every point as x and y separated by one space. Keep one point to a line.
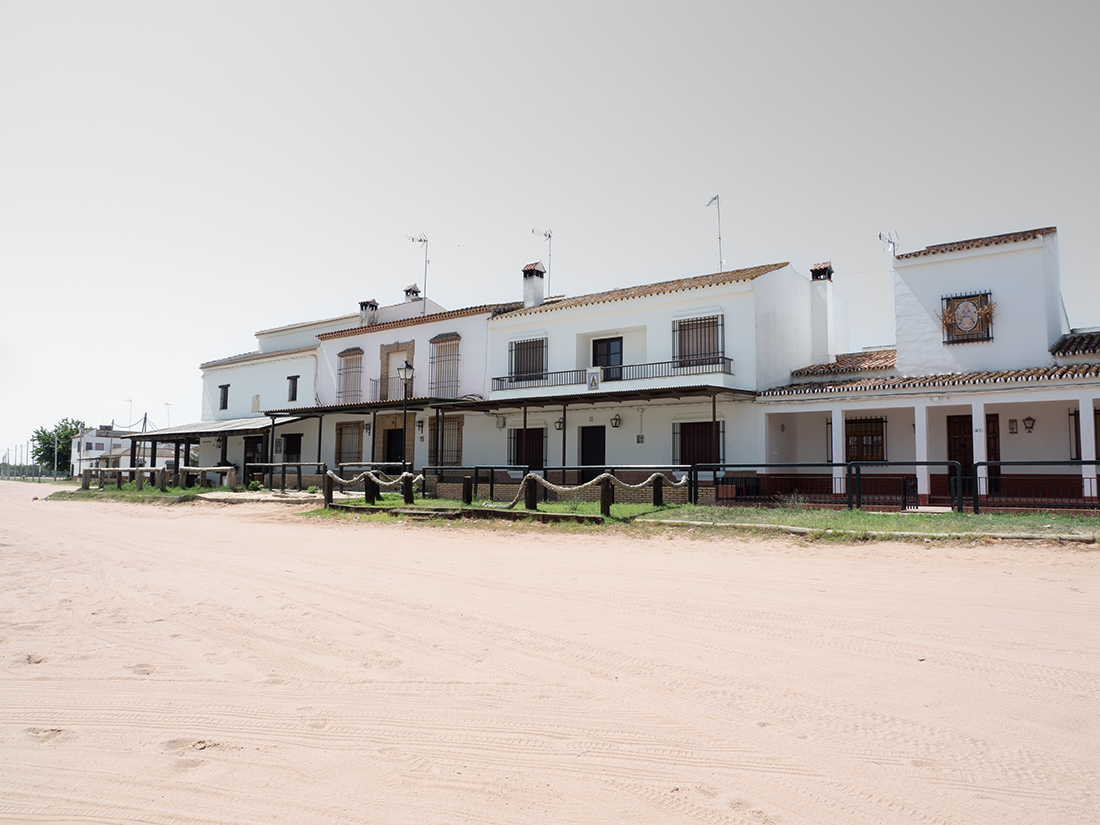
570 399
209 429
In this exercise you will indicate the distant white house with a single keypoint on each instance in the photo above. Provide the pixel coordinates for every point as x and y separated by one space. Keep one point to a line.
93 443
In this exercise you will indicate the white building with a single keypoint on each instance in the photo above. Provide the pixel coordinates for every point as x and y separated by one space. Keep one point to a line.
746 368
985 369
93 443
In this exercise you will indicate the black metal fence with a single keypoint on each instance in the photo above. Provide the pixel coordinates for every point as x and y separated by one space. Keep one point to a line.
993 485
488 479
268 471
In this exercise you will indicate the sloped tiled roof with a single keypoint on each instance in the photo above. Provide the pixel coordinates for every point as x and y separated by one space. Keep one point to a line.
869 361
927 382
1077 343
486 309
975 243
255 356
645 290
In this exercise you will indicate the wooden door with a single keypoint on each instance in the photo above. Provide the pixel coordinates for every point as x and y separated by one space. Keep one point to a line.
960 445
993 450
593 451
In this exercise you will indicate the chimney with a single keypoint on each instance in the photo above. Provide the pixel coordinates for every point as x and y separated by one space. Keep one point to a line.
534 284
367 312
822 271
822 337
412 293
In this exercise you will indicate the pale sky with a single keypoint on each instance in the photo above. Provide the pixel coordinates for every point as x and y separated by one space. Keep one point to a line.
177 175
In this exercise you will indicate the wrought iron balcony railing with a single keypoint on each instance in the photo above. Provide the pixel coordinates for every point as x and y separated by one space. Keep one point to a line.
388 389
687 365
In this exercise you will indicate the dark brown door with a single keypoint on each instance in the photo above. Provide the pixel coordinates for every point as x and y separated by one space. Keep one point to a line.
960 445
993 450
593 451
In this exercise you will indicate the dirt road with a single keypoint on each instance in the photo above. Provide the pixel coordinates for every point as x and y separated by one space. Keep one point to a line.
218 664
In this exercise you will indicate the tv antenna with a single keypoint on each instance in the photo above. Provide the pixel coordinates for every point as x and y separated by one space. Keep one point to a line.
423 239
718 201
889 241
549 235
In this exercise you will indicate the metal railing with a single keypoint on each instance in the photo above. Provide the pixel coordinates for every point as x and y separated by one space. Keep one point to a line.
389 389
996 489
483 474
900 488
693 365
560 378
280 466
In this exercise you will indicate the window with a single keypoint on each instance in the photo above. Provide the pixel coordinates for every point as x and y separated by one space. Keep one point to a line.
698 442
608 353
1075 433
350 377
697 342
527 360
865 439
526 448
292 387
223 397
349 442
99 445
443 366
292 447
967 318
450 447
87 446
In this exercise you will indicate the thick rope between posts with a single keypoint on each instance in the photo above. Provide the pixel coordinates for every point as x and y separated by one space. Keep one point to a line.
558 488
382 485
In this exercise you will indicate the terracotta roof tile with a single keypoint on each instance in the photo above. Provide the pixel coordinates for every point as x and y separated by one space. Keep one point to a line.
646 290
975 243
924 382
870 361
255 356
1077 343
487 309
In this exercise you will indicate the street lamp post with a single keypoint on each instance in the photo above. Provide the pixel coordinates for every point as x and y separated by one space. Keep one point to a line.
405 373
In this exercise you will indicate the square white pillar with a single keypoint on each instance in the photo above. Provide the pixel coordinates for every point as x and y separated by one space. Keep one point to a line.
839 455
1088 445
977 426
920 444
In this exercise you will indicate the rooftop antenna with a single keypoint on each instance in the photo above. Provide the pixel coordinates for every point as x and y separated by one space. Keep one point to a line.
423 239
717 200
889 241
168 412
549 235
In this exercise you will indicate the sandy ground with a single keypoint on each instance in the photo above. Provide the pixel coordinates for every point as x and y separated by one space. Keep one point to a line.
239 664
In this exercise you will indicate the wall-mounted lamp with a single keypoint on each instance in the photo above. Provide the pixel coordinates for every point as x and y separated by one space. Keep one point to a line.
366 427
502 422
420 425
616 421
1029 423
559 425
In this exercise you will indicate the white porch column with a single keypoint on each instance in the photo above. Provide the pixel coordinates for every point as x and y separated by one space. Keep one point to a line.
837 414
977 426
920 439
1088 445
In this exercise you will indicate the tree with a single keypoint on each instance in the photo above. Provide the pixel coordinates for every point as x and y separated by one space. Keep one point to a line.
42 443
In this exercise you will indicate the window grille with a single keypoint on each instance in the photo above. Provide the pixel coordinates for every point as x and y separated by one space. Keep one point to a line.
350 377
698 341
349 442
865 439
443 369
967 318
527 359
533 442
693 442
450 447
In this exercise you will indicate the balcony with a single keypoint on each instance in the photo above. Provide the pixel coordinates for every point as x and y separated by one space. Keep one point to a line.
389 389
694 365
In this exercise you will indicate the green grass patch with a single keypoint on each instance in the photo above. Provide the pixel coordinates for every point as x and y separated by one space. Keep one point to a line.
149 494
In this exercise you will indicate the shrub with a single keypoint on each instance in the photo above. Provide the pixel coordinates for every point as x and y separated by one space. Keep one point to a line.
255 486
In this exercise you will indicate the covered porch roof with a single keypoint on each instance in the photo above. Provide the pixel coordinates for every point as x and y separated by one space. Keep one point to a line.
209 429
571 399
